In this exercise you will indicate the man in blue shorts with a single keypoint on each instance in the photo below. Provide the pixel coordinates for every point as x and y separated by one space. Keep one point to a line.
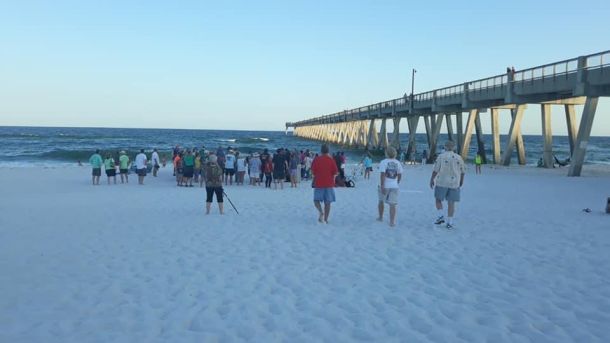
324 171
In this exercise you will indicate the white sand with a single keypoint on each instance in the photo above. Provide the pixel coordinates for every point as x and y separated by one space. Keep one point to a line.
131 263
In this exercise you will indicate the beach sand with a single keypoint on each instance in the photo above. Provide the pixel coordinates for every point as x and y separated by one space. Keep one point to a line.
131 263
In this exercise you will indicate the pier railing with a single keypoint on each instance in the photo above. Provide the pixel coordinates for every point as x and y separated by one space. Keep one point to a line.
562 75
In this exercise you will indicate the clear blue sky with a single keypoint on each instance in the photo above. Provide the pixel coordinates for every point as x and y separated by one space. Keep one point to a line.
258 64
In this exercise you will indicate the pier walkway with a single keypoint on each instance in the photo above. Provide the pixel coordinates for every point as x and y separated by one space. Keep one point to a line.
576 81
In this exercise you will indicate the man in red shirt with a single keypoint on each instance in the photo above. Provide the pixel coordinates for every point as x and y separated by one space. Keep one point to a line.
324 170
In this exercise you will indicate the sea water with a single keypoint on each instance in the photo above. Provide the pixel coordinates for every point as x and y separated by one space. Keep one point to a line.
55 146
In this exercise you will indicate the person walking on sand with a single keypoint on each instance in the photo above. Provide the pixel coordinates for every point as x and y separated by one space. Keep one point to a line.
213 183
110 168
96 165
141 161
390 171
478 160
324 171
155 162
447 179
124 167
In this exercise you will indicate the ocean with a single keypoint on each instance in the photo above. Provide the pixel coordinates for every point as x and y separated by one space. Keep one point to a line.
57 146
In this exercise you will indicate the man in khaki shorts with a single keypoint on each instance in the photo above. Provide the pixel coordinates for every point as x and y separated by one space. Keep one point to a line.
448 177
390 170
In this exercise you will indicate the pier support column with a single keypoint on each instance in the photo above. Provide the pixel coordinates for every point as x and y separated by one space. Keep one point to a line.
373 139
396 133
584 132
428 131
459 131
468 133
513 133
571 122
449 127
547 135
412 147
438 123
495 132
480 141
384 135
520 145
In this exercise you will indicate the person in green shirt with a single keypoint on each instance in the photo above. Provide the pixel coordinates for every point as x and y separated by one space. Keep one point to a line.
110 168
124 167
188 168
477 163
96 164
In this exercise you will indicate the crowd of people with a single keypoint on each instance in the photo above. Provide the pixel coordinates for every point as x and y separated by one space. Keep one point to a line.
221 167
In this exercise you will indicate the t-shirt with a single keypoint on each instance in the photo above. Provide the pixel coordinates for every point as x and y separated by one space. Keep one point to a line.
241 164
123 161
109 163
198 162
449 166
477 159
294 162
324 170
279 162
96 161
155 158
213 173
189 160
308 161
141 161
229 161
368 162
255 165
391 168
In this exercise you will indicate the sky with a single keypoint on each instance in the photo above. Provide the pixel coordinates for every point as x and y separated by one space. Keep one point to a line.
254 65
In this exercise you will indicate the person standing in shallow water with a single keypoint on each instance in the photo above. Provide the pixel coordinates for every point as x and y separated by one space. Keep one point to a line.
324 171
447 179
213 184
96 164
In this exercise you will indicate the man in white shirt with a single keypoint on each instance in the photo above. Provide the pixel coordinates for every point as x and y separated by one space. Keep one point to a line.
229 167
448 177
390 171
141 161
155 162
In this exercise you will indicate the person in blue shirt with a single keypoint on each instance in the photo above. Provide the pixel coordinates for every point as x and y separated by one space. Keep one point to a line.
367 161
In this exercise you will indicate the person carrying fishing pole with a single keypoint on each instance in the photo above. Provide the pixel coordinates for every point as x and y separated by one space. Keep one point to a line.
213 184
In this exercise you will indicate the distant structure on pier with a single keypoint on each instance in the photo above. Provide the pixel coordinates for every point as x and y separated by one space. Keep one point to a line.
576 81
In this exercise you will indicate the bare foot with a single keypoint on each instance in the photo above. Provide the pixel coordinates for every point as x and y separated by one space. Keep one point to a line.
379 219
321 218
392 224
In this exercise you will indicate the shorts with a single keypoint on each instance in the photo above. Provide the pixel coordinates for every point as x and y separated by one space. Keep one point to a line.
141 172
96 172
187 171
293 172
110 172
210 191
324 194
123 171
279 175
390 196
449 194
369 169
229 171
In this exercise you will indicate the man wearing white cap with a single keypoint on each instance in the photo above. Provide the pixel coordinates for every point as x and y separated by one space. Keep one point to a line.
448 177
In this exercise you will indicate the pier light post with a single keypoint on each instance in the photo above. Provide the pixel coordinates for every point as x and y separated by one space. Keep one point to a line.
413 82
